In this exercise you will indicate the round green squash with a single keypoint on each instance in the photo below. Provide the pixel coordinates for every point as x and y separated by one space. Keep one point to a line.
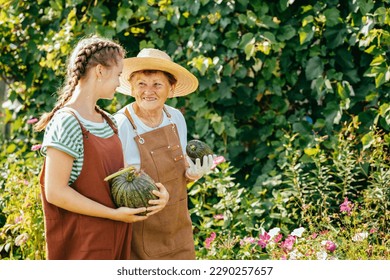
198 149
131 188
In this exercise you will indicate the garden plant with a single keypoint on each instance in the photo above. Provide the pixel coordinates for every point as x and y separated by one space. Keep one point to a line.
293 96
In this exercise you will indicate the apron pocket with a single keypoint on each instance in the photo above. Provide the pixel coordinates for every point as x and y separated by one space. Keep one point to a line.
96 233
174 228
166 159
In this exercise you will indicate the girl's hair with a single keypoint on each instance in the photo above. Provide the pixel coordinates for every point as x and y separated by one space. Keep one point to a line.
88 53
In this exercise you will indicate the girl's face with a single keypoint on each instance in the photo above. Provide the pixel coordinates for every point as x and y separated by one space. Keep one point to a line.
110 80
150 90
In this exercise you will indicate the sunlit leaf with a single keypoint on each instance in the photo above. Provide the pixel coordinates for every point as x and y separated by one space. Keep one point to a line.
314 68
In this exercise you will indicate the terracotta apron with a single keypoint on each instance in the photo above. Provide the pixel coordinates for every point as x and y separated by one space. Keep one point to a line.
74 236
167 234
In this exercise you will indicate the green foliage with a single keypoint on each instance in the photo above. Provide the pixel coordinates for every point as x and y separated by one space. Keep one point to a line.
215 200
308 192
21 228
230 219
278 81
263 67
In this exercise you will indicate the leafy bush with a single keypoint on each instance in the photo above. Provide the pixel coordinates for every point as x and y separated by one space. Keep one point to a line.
339 199
264 67
277 82
22 231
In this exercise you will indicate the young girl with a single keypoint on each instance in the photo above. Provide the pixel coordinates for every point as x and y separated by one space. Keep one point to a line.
82 148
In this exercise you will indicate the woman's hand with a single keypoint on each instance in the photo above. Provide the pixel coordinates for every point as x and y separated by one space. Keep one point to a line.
196 170
161 202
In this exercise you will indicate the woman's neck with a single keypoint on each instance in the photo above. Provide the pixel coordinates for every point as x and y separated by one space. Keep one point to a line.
152 118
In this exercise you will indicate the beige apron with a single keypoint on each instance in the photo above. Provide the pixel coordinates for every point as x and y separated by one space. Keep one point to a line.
167 234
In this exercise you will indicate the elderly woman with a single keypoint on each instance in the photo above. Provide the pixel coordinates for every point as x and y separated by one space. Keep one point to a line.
154 137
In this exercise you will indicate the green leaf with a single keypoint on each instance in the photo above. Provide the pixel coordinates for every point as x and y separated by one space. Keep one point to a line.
368 140
306 34
286 33
227 70
194 7
123 16
311 151
224 91
332 16
345 59
219 127
335 37
365 6
380 79
246 39
231 41
353 75
378 60
99 12
201 126
11 148
197 102
314 68
332 113
250 49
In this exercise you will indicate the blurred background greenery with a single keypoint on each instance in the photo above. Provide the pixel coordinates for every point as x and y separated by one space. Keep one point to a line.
294 94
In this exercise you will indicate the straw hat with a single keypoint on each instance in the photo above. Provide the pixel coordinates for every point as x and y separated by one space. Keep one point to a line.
153 59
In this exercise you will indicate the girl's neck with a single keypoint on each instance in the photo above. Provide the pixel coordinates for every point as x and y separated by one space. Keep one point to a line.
85 104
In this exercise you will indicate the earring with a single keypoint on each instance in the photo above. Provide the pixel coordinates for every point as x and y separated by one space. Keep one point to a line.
99 80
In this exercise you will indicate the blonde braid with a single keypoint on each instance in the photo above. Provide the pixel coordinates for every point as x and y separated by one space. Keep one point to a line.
88 53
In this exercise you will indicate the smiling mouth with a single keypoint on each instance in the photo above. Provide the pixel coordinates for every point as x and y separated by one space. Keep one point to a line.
149 98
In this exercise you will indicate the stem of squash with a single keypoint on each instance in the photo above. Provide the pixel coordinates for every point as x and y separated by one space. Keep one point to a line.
121 171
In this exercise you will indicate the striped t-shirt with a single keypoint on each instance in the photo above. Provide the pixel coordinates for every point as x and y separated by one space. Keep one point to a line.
64 133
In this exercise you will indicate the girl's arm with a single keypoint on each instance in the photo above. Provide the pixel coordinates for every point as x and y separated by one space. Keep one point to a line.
58 192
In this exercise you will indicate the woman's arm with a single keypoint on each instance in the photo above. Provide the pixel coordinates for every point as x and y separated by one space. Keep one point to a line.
58 192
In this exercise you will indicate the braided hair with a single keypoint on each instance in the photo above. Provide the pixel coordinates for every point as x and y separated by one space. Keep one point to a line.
88 53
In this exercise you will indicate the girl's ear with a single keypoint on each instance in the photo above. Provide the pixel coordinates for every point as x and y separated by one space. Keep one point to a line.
99 71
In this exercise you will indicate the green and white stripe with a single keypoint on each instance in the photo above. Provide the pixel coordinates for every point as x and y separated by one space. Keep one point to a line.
64 133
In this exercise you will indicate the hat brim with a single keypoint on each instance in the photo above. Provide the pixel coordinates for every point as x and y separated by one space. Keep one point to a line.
186 81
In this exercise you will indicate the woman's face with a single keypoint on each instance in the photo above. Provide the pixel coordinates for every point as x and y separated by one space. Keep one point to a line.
150 90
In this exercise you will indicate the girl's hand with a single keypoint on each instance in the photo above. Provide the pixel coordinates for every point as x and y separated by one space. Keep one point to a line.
160 203
129 215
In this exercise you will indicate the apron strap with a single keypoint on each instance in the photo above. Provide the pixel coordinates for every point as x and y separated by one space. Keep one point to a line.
167 113
105 117
108 120
131 120
84 131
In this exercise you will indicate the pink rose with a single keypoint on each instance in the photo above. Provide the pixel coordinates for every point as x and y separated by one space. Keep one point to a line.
330 246
346 206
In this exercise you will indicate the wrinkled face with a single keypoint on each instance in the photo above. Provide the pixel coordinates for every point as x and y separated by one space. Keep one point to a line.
150 90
